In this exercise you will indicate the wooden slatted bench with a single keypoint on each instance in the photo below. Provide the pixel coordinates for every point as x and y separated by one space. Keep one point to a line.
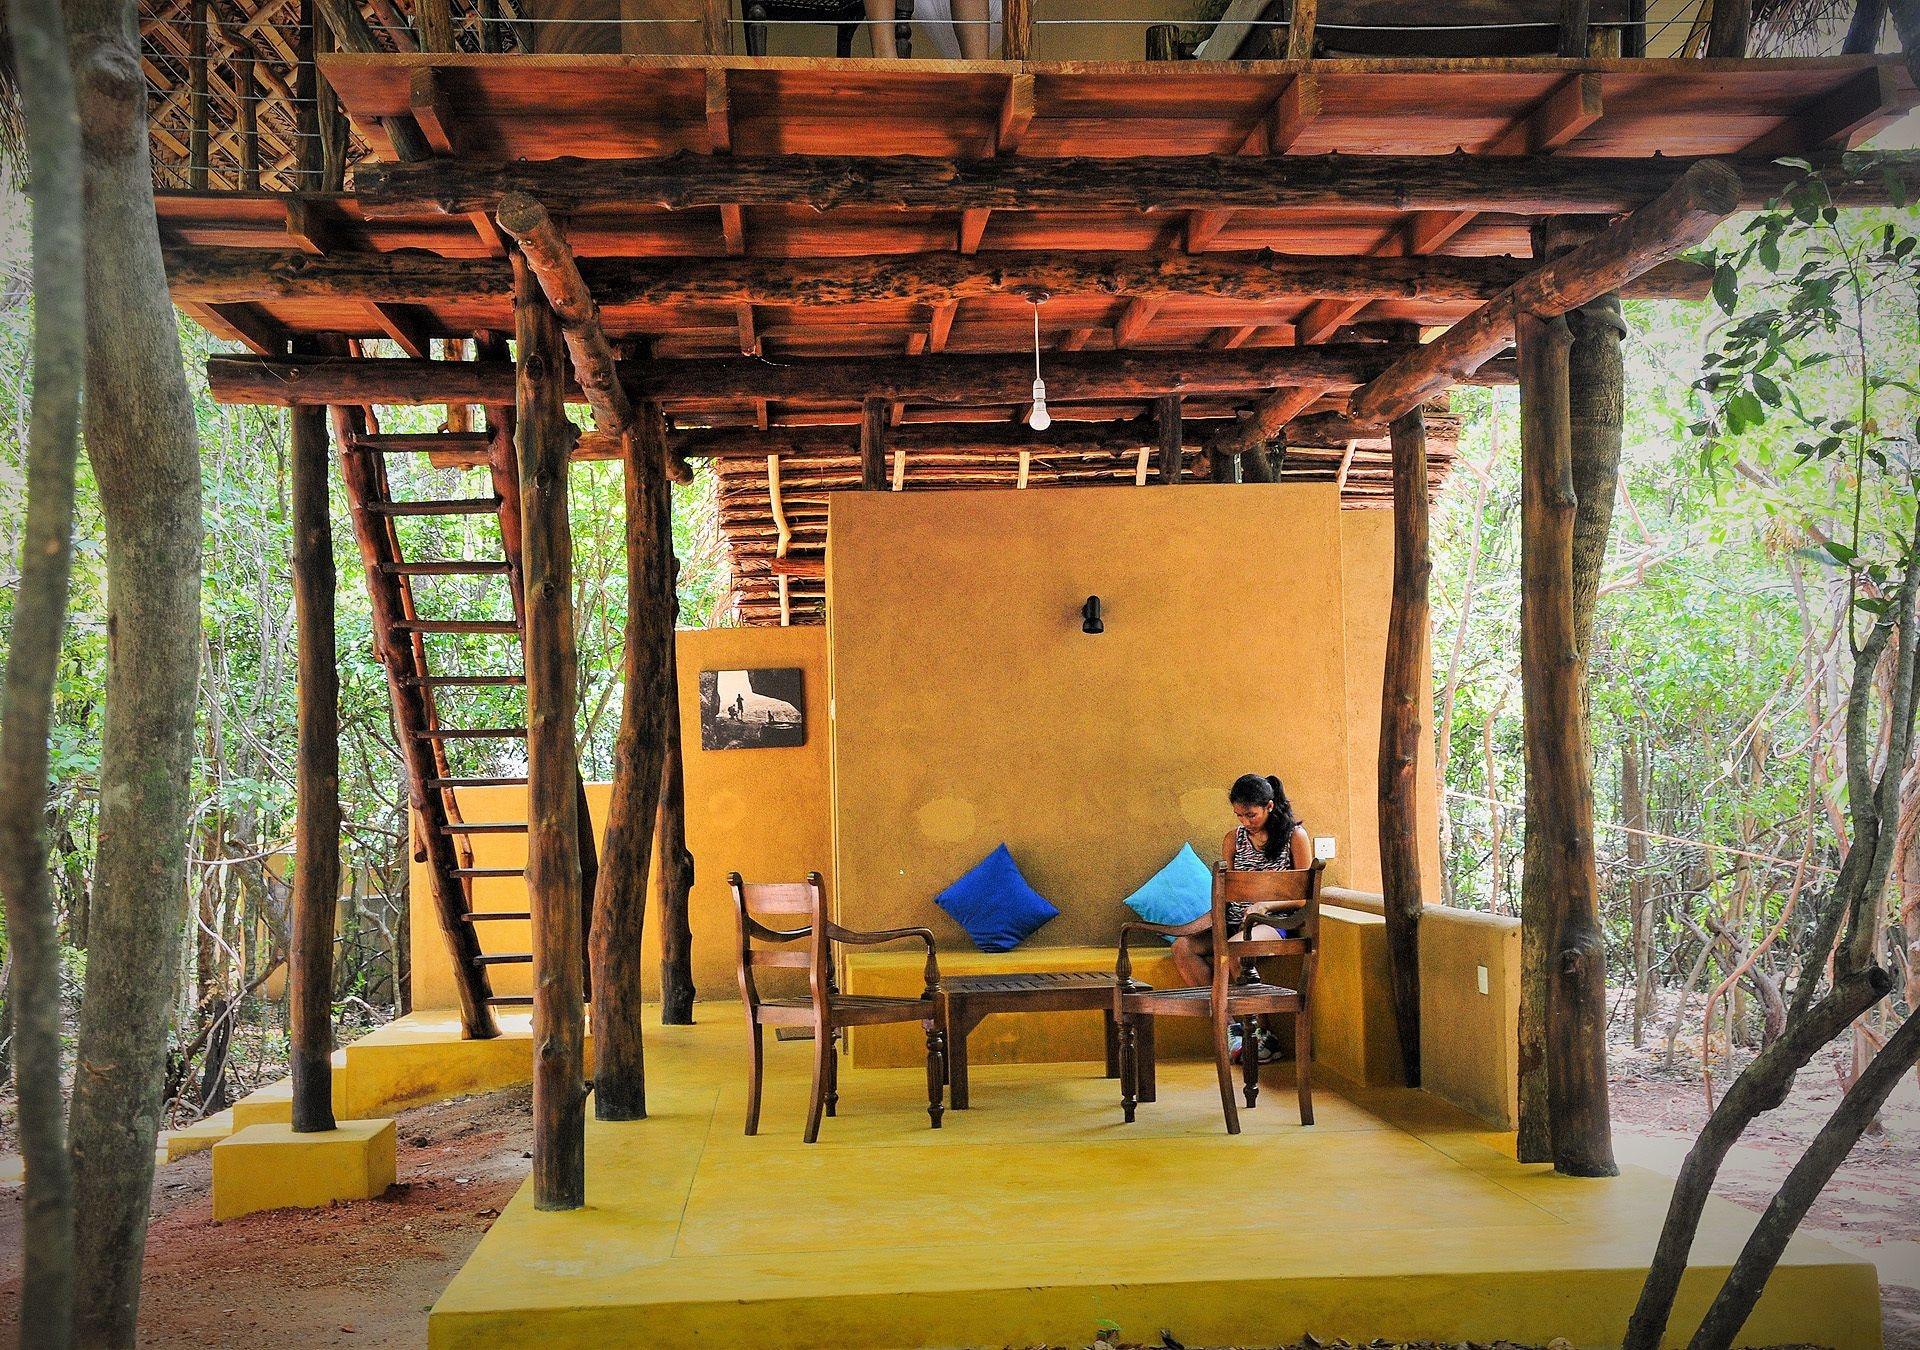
971 998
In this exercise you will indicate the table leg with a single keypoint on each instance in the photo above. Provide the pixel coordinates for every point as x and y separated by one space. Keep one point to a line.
1113 1045
1148 1079
959 1025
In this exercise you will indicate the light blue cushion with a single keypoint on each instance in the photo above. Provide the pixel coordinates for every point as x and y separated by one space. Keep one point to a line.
1180 892
994 903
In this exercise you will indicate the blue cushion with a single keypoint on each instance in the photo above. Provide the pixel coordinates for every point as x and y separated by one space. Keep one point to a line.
994 903
1180 892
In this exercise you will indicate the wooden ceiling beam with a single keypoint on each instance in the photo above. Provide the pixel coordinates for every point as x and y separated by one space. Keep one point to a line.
322 271
1679 218
967 378
1514 184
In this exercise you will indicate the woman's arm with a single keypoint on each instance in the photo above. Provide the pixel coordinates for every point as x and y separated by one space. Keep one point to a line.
1302 848
1226 848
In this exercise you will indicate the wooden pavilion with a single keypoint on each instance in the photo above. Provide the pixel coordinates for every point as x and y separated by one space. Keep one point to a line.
840 275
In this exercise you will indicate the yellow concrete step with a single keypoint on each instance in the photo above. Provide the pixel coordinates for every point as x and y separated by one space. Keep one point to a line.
197 1137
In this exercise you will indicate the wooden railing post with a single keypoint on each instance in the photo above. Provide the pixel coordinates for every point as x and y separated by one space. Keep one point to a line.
1400 731
1016 30
873 444
1575 18
316 823
248 123
1301 21
199 57
545 441
1172 440
1730 29
433 25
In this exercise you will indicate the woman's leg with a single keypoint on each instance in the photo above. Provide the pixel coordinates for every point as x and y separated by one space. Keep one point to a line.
970 29
1191 964
880 26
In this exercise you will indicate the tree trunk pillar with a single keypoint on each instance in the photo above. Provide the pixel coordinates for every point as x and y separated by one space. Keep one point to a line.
1564 1113
544 442
620 899
676 862
316 826
1400 732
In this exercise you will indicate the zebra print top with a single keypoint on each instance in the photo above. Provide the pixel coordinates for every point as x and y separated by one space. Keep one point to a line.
1250 857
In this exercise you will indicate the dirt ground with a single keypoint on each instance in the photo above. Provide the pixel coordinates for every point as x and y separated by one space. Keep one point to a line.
365 1275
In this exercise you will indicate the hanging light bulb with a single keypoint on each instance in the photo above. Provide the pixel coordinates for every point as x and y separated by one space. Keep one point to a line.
1041 418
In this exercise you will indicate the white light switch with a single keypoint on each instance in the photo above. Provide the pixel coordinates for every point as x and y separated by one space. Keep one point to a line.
1481 977
1323 847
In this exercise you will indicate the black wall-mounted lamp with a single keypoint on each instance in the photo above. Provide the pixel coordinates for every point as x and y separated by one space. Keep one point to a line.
1090 616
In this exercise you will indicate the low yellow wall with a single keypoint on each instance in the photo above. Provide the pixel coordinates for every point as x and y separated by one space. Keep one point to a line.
1469 1040
763 813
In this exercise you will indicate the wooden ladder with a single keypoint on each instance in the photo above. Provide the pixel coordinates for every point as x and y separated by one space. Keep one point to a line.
442 837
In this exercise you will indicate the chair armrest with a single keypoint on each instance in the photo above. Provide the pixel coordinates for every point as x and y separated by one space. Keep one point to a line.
1263 909
1123 964
858 938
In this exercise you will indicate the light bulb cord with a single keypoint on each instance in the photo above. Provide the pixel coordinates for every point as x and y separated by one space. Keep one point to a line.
1036 339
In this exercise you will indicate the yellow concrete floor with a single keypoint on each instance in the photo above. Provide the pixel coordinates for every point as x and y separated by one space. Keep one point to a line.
1039 1217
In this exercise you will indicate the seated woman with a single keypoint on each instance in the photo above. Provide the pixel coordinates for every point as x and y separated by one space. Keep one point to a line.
960 30
1268 838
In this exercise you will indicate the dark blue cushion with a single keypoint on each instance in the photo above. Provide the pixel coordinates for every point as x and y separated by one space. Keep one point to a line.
994 903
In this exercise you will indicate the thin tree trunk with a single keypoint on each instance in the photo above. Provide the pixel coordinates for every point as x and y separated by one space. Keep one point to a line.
620 903
545 440
141 443
316 838
33 657
1407 627
676 863
1633 807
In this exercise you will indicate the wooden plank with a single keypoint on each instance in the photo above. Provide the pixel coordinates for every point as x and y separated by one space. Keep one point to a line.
405 326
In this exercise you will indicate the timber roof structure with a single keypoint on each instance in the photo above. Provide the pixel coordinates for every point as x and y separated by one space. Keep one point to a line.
783 249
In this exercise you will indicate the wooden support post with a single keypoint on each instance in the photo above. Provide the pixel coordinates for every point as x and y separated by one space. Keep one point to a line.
1016 30
716 30
676 860
620 904
342 18
199 58
247 125
1563 1082
1401 732
1172 444
545 439
316 824
1575 19
873 444
433 24
1300 29
1731 28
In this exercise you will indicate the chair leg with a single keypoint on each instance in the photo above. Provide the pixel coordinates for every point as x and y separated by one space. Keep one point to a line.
833 1075
1112 1045
936 1071
1129 1032
756 1057
1250 1060
1223 1068
822 1067
1303 1063
1146 1070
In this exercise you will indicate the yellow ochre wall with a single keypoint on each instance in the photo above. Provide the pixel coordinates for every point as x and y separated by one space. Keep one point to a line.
970 709
762 813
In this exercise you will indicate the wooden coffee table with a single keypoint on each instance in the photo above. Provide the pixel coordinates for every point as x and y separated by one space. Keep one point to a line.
970 998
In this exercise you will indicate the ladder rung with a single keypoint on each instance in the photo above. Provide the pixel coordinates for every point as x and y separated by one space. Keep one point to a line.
485 827
462 681
501 626
422 443
475 782
471 734
511 1001
487 871
460 506
494 914
447 568
504 959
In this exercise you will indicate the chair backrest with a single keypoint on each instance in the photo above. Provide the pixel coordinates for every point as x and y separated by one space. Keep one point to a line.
1299 926
768 945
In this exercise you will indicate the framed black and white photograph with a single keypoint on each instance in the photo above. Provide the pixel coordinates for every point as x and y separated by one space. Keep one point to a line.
752 709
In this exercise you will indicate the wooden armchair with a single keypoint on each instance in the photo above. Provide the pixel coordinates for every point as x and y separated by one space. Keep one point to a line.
1268 896
825 1009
